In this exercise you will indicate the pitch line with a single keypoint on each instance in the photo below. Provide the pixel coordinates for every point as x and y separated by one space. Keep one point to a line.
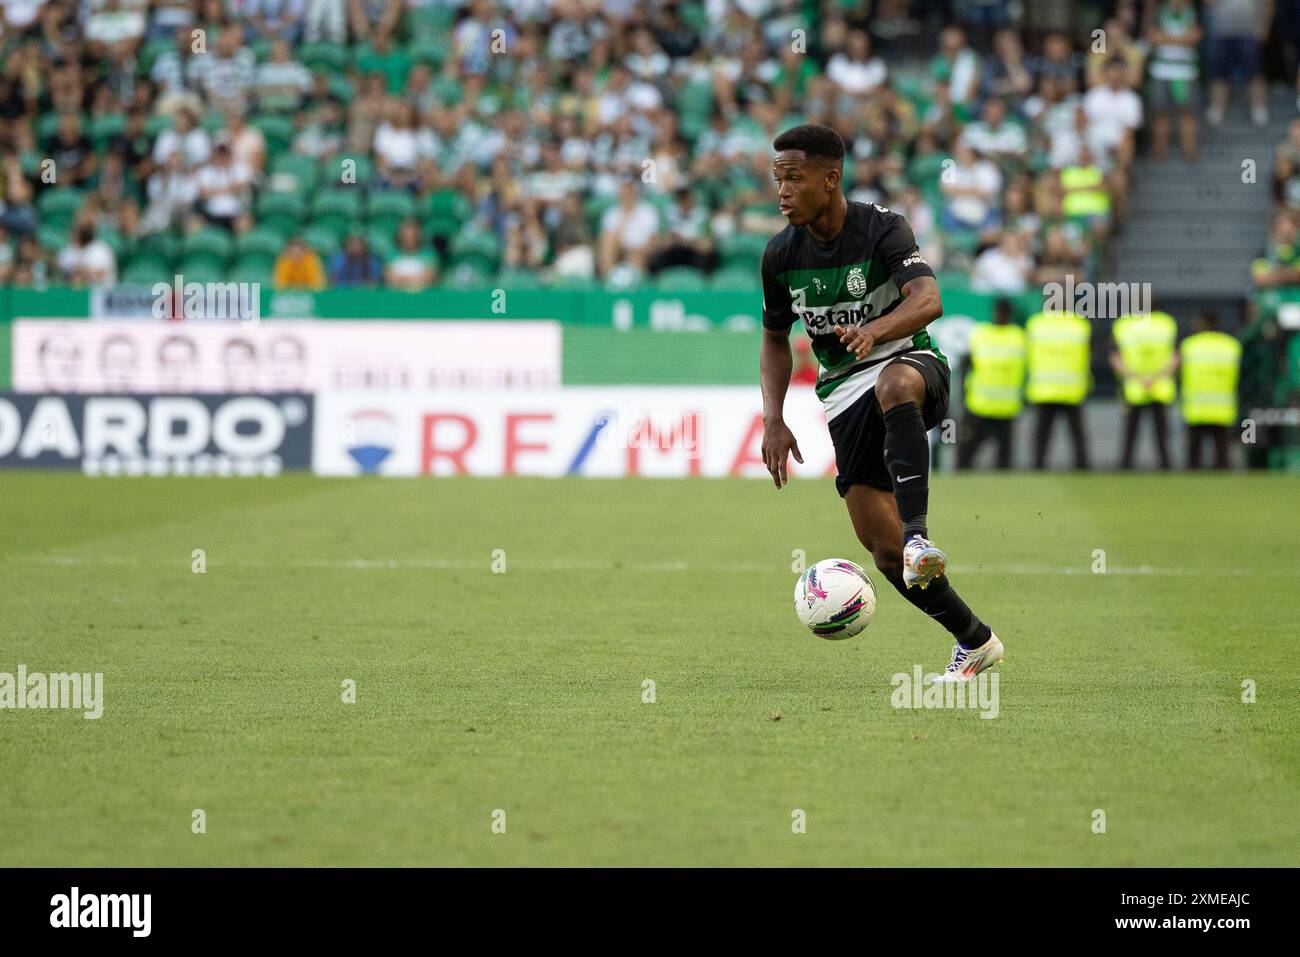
590 565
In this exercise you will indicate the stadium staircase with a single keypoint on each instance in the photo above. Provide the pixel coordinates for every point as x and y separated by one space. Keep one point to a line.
1192 229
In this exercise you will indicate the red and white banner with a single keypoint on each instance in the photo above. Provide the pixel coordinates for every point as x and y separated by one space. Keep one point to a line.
282 355
599 431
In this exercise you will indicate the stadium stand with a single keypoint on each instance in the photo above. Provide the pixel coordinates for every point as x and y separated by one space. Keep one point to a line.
566 141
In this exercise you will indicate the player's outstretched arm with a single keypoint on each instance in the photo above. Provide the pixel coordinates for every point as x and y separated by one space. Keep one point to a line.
775 365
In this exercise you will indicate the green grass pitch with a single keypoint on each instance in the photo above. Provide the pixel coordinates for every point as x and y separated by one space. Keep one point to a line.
522 691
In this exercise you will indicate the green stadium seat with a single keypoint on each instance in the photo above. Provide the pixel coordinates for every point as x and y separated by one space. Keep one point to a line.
429 21
292 173
281 212
329 57
431 50
252 269
278 131
735 279
477 248
255 259
202 267
146 270
742 249
382 242
103 128
436 227
208 241
52 237
342 87
259 241
164 246
212 121
961 241
324 240
447 202
336 209
388 208
58 205
448 89
46 126
115 241
695 108
681 279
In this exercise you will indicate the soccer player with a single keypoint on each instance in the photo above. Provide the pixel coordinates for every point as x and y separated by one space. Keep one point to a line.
852 273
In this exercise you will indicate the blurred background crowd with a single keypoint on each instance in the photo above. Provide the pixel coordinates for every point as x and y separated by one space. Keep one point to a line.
417 143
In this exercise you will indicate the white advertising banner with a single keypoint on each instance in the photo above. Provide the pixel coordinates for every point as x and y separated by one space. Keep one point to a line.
599 431
282 356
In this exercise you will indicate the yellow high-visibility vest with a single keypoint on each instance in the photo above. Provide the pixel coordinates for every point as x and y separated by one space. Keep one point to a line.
997 375
1085 191
1146 344
1059 347
1211 365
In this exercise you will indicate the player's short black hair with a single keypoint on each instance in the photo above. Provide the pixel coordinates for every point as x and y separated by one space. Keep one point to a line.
813 139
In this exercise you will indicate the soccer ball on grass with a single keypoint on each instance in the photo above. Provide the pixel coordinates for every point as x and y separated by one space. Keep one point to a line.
834 599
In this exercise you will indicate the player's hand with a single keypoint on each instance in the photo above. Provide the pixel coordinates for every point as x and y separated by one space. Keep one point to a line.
778 445
856 339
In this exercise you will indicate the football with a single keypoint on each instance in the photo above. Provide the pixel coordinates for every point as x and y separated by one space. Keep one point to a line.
834 598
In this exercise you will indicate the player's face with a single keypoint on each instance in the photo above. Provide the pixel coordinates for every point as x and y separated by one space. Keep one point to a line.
803 186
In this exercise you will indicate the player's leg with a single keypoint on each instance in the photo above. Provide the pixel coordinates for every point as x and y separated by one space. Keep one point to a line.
912 392
900 390
876 522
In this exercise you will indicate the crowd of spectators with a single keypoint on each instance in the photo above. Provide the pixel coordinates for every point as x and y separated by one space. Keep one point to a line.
564 141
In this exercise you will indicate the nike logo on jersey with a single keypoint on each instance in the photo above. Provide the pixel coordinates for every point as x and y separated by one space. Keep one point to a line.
900 480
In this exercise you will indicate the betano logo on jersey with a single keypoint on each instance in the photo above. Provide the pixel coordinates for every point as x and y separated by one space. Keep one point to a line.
819 320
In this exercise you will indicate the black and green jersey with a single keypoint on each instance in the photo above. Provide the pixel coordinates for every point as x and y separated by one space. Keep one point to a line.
854 279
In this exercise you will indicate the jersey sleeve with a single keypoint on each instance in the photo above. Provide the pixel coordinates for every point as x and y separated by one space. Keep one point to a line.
778 312
897 249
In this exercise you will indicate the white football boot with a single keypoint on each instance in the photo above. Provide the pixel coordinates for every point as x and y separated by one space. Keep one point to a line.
923 562
967 663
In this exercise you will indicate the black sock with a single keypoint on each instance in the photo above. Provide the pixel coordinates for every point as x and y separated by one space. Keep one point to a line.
907 456
942 603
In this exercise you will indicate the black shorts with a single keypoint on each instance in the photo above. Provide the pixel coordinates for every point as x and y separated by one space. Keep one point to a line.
858 433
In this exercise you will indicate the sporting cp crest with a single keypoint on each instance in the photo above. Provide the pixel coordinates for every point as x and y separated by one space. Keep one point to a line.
856 283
